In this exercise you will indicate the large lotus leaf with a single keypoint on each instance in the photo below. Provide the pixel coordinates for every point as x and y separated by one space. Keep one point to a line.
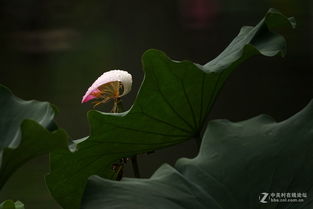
9 204
14 110
23 133
171 107
236 163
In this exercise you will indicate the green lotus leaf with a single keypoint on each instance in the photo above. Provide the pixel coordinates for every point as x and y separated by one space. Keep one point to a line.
171 107
9 204
237 162
24 134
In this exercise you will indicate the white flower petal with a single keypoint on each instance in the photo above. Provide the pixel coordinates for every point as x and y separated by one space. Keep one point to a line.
114 75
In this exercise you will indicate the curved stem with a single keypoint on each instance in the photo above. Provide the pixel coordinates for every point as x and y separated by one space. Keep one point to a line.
135 166
119 105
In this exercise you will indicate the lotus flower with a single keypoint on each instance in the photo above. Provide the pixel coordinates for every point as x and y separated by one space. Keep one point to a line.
110 85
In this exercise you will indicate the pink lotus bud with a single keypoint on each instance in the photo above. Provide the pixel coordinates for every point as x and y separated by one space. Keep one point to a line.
110 85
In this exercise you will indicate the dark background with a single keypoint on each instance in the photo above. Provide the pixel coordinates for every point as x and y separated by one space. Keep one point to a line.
53 51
